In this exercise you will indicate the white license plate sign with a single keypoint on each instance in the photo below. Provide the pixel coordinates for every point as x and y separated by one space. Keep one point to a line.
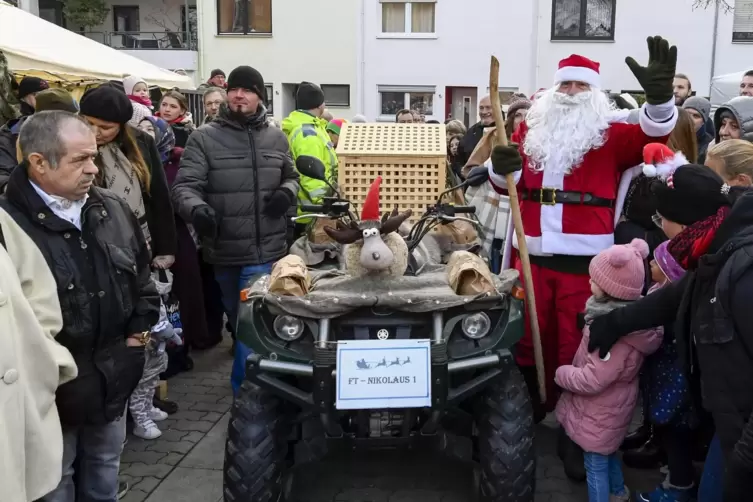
383 374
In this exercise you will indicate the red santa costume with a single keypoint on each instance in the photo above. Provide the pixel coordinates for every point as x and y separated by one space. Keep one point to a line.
573 158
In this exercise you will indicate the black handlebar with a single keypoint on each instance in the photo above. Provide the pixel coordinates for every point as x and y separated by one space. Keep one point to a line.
464 209
312 208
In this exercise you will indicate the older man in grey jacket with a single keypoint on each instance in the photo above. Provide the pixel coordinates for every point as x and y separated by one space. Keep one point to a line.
236 184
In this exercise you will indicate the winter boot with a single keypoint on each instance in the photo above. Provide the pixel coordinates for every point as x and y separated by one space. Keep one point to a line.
625 497
532 382
148 431
572 460
649 456
668 493
637 438
168 407
123 488
157 415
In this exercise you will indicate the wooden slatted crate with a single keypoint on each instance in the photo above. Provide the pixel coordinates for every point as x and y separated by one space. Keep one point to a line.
410 158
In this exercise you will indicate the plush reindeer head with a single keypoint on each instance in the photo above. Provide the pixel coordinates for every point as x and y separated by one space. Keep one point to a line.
376 255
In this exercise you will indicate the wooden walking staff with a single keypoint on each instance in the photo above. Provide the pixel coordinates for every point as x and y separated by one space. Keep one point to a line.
517 220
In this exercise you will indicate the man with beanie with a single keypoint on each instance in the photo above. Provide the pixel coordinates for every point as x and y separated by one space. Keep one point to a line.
236 185
699 110
48 99
333 129
307 134
216 79
711 229
27 93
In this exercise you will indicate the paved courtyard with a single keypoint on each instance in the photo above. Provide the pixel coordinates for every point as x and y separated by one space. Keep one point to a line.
185 464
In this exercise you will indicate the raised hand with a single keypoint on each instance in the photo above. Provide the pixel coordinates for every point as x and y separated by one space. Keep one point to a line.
657 76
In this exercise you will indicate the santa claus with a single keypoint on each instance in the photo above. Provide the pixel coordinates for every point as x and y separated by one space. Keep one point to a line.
567 158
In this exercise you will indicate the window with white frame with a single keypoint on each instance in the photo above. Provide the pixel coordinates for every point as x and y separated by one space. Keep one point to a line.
392 99
742 26
408 16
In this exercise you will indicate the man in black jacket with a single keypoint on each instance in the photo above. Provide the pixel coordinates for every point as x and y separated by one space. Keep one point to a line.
236 184
476 131
96 251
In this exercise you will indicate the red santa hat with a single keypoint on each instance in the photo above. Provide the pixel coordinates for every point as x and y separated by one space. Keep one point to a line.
659 160
370 210
579 69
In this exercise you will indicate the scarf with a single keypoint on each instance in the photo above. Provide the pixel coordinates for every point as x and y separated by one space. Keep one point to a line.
596 308
688 246
163 136
144 101
120 178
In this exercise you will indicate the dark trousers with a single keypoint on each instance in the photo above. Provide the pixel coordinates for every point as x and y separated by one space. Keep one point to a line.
189 289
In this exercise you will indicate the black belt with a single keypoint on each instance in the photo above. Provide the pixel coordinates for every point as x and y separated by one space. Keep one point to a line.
552 196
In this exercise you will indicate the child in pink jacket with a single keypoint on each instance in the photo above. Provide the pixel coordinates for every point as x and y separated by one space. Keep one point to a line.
600 395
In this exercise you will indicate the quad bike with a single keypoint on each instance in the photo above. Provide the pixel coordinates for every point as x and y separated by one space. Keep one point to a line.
303 396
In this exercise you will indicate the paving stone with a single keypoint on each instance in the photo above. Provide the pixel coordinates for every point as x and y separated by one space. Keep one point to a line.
194 436
216 382
363 495
189 485
221 391
216 407
212 416
226 400
182 447
141 470
210 451
135 444
188 415
172 459
193 425
134 496
145 457
202 398
553 485
170 434
147 484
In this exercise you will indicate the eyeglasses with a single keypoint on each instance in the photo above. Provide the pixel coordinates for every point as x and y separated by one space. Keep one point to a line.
657 219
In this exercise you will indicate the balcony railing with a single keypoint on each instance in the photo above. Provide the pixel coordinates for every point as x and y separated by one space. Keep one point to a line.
146 40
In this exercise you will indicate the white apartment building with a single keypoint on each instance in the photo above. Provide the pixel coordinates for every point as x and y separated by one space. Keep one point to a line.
434 54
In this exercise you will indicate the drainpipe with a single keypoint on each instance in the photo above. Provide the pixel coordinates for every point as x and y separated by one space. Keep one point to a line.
188 26
361 80
535 47
713 46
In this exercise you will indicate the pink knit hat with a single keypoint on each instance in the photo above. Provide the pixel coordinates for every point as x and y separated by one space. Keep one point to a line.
619 271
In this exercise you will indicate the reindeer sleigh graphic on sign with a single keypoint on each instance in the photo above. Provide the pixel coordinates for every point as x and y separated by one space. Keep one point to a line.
372 365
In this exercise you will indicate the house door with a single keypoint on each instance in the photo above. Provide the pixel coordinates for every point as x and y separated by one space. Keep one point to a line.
464 104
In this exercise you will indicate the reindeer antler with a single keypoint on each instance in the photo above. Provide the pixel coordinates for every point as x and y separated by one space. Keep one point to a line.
344 234
392 224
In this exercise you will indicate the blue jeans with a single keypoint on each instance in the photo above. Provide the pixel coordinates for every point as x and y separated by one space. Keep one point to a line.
604 476
97 449
711 487
231 281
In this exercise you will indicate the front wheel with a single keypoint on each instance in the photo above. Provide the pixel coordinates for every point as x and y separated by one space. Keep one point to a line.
256 447
505 441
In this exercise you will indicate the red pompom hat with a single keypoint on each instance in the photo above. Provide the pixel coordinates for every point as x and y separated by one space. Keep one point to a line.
578 69
370 210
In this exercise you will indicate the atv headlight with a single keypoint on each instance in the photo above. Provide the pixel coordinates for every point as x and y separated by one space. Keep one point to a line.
288 328
476 325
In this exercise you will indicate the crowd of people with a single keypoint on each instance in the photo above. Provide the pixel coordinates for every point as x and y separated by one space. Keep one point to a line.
115 209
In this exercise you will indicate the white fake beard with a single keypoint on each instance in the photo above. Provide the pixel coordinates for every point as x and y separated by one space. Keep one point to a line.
563 128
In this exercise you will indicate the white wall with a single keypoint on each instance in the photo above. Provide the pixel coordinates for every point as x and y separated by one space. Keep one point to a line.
519 33
313 40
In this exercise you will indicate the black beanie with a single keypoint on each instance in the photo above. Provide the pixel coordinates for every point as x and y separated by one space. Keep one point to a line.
309 96
31 85
245 77
106 103
693 193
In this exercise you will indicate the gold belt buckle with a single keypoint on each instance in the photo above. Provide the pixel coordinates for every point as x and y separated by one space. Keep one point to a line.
543 191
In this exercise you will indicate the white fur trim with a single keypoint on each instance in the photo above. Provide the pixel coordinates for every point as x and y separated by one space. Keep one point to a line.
622 190
619 116
567 244
657 129
497 179
577 74
664 169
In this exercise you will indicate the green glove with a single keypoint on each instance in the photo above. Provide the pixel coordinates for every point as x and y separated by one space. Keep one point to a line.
657 77
506 159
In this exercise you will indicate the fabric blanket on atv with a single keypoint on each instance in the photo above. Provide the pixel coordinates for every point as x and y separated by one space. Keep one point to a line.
334 293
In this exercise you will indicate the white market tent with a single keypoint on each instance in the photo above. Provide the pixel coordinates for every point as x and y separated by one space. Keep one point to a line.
36 47
725 87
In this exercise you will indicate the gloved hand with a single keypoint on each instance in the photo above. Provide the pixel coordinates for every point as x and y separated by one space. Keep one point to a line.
603 336
278 202
657 77
204 221
506 159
